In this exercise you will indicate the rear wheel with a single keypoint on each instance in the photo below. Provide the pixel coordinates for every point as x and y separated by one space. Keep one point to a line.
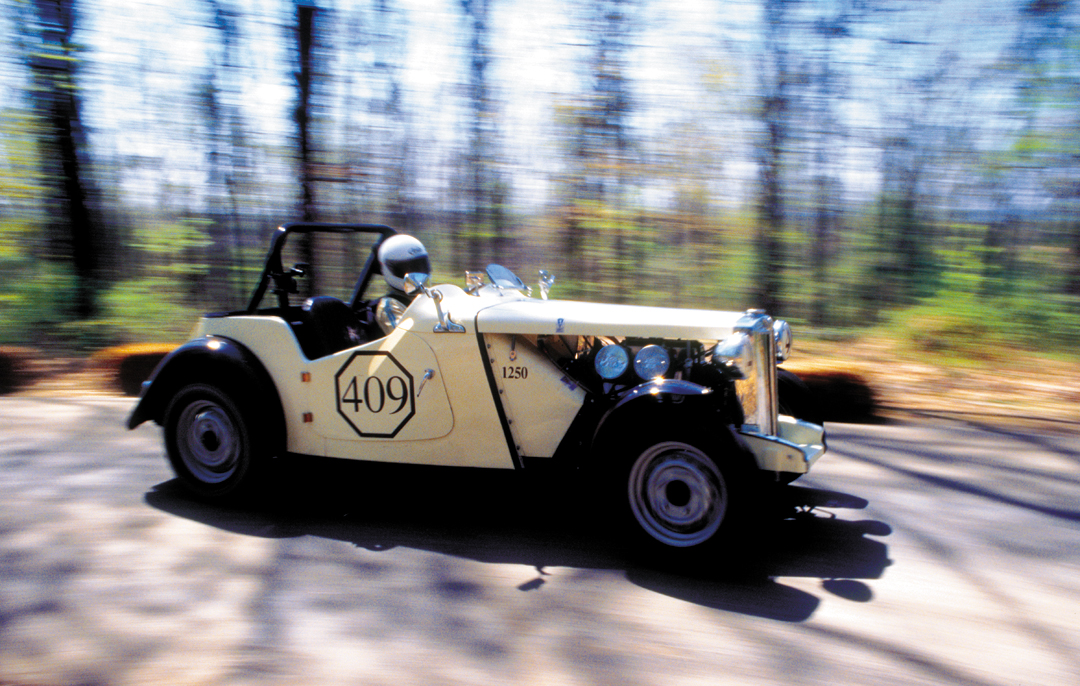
209 442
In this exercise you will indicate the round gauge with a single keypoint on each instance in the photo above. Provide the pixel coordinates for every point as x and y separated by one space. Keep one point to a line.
611 362
651 361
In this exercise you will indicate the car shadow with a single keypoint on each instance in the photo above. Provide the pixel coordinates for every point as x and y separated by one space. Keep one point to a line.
552 521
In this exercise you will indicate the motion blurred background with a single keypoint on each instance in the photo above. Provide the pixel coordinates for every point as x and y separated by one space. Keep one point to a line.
851 165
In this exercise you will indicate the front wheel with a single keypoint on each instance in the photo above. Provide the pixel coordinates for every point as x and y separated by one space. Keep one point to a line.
209 442
679 496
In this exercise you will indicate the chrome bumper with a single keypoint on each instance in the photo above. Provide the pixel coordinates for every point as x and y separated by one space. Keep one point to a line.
795 448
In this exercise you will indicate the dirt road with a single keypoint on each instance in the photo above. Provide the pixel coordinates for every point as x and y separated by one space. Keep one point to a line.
939 553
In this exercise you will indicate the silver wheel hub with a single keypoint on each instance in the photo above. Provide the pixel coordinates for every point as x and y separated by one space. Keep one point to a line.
677 494
208 441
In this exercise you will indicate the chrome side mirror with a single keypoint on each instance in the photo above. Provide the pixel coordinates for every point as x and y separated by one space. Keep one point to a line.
474 281
416 282
547 280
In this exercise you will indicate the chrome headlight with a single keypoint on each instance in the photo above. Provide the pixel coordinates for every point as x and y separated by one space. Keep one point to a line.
651 361
782 333
735 354
611 362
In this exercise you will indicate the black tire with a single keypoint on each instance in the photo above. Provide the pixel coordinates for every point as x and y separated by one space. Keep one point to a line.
210 443
682 501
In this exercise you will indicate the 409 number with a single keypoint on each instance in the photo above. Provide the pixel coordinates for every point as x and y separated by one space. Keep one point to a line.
376 395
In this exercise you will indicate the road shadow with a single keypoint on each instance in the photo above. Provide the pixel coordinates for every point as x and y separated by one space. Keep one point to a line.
550 521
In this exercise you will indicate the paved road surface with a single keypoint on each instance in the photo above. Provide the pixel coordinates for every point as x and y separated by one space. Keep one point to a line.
939 554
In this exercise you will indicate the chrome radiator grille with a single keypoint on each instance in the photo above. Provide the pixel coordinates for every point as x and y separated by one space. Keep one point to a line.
757 391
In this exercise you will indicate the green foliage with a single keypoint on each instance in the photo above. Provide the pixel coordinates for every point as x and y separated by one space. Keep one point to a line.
34 301
33 298
962 322
965 327
143 310
167 243
1031 144
951 324
154 307
20 168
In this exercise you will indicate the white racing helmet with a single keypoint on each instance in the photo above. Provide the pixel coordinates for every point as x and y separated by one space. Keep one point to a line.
400 255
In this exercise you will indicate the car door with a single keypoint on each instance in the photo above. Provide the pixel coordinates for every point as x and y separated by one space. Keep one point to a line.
414 396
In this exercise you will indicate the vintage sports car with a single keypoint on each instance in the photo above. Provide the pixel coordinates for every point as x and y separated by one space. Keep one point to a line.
675 413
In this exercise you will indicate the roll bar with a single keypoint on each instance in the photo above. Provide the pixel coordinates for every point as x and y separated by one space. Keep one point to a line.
285 281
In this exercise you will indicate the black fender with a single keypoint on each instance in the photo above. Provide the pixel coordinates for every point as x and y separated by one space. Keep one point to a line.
218 361
660 402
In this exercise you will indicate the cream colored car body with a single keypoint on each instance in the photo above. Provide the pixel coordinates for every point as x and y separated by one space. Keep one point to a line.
482 397
485 378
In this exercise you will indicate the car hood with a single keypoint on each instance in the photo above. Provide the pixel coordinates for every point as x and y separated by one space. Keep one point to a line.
531 316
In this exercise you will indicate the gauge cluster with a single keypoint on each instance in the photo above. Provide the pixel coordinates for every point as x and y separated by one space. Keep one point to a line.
608 364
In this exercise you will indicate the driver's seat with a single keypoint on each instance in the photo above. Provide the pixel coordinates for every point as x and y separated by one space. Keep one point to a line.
329 326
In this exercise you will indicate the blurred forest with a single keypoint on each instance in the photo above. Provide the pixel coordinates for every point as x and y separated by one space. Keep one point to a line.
845 164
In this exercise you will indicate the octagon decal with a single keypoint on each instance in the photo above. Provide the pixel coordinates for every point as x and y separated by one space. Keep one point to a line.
375 394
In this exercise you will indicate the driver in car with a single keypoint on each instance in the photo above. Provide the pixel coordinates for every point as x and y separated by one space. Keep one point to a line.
398 255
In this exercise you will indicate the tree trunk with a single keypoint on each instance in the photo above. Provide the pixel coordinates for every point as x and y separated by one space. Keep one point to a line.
64 140
305 32
770 249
